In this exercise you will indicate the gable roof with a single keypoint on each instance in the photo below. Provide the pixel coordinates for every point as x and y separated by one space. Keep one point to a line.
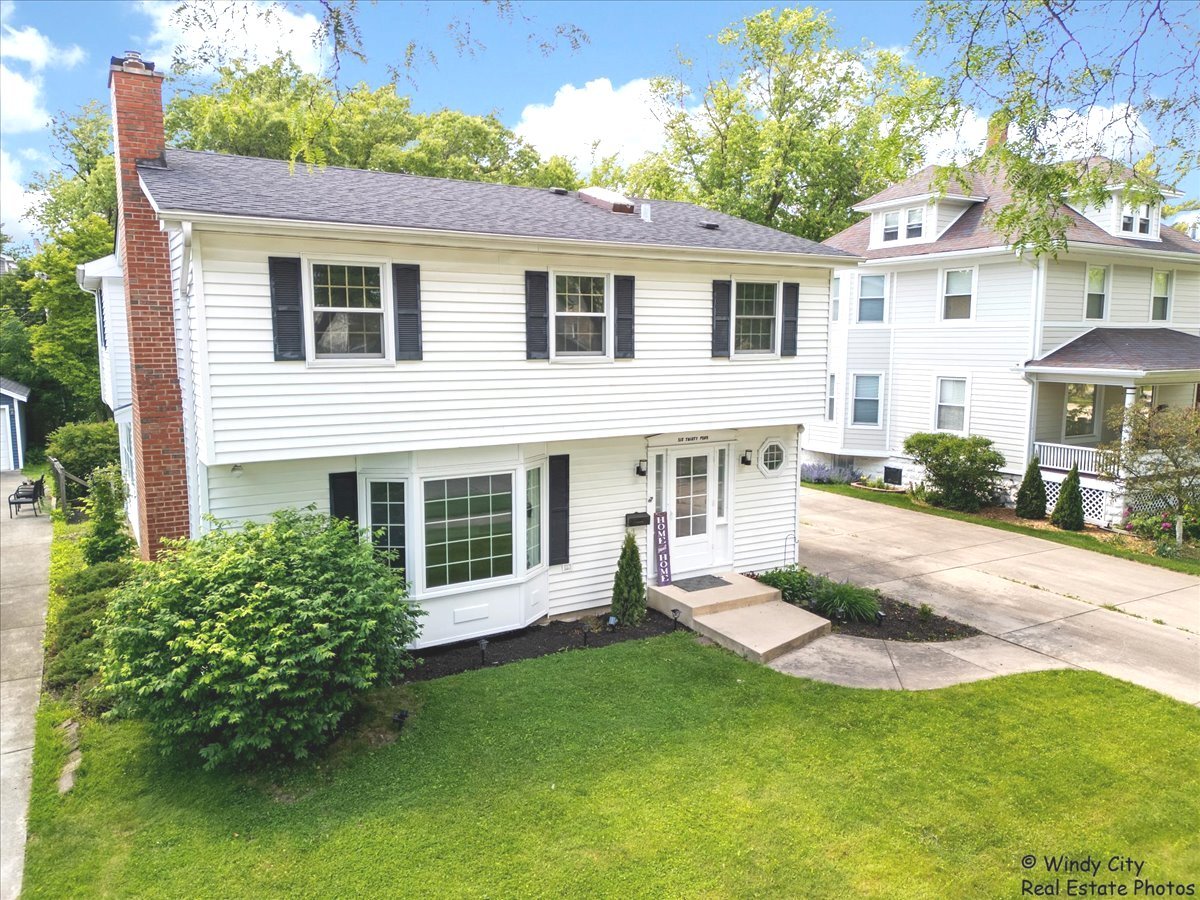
925 182
974 231
1132 349
13 388
193 182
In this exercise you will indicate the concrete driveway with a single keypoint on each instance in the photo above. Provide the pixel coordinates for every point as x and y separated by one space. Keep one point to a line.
24 575
1125 619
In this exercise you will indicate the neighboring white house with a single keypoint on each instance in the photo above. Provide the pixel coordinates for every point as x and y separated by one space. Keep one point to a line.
945 327
13 397
497 381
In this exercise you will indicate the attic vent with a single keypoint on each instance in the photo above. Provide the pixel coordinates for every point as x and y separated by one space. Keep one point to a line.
561 192
606 199
709 226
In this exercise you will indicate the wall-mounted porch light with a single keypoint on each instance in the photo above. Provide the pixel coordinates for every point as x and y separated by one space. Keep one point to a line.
748 458
236 470
641 468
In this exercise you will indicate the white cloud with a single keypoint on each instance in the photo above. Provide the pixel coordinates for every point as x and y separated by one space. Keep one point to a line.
7 8
256 32
15 201
957 146
617 120
31 46
22 107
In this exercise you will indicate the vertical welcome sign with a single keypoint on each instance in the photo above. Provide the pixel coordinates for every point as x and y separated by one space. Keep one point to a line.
662 548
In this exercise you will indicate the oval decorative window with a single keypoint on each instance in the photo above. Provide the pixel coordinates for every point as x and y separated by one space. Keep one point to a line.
771 457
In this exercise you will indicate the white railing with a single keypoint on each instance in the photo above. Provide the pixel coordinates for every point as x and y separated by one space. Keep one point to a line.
1062 456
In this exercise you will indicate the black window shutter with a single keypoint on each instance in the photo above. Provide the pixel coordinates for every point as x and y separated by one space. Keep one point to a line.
287 307
343 495
791 317
560 510
720 329
537 315
623 296
406 298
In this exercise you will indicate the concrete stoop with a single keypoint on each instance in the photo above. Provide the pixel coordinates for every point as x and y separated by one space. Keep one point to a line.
744 616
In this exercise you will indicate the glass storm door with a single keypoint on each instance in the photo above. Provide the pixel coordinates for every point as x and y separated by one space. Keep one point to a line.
691 508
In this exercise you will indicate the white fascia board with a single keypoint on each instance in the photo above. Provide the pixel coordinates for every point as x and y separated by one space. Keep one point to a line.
1068 373
919 259
1127 253
916 198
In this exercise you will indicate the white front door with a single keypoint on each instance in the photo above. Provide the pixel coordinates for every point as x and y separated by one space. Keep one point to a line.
691 508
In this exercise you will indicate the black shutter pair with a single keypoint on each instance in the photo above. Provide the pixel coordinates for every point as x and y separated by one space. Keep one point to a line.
722 318
287 308
537 315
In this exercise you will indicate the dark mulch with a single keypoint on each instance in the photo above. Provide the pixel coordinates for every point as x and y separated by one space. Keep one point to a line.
529 643
904 622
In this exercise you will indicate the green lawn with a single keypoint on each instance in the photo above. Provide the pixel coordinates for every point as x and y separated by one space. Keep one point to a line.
654 768
1070 538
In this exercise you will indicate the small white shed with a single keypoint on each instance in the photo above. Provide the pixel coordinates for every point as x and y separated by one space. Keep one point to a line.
13 397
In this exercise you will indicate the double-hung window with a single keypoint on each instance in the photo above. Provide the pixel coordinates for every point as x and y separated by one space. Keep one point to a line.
1136 219
957 293
870 298
830 398
951 404
866 400
1097 292
468 529
1160 297
754 318
533 517
891 226
580 315
915 224
1081 411
835 299
347 310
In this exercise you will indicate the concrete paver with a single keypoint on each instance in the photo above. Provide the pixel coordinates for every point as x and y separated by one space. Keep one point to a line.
1180 608
842 659
923 667
16 698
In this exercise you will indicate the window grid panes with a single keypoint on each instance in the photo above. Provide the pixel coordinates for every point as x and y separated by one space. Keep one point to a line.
754 314
835 300
387 520
891 226
347 310
956 301
870 298
915 223
691 496
533 518
952 404
1097 289
866 400
580 318
1160 297
772 456
468 529
722 465
830 405
1081 410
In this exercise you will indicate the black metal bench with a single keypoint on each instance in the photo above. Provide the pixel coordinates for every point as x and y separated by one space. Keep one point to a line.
29 494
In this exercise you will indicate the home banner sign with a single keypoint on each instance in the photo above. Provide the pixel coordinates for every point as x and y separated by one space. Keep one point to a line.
662 548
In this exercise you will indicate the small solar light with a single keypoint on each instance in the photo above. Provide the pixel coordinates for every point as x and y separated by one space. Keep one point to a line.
399 718
612 623
483 642
587 630
841 614
879 617
674 619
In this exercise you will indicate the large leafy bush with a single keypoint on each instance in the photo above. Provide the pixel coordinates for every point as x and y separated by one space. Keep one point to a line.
253 643
960 472
83 447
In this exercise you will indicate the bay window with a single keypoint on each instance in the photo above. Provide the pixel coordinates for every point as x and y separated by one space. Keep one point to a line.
386 522
468 529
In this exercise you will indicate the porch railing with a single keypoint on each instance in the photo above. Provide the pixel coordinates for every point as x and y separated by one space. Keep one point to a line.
1090 460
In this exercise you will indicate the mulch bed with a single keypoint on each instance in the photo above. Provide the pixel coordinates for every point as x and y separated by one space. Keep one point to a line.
903 622
529 643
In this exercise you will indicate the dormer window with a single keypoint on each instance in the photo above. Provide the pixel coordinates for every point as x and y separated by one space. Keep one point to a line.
916 222
891 226
1136 220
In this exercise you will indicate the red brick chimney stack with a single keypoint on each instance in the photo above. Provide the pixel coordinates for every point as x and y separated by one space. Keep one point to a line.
158 450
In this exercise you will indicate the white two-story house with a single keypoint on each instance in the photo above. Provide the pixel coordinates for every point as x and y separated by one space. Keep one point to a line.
945 327
497 382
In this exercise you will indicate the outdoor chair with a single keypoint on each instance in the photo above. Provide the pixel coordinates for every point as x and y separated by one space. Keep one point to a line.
29 494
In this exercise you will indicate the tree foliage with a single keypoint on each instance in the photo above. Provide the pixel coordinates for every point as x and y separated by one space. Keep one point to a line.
1068 508
1031 496
960 472
794 131
84 447
1159 453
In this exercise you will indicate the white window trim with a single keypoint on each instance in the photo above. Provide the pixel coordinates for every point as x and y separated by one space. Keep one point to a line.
887 284
722 517
310 337
908 222
835 297
831 397
928 225
854 376
937 393
1170 273
755 354
609 319
768 473
1119 206
1097 414
544 516
410 513
1108 280
943 274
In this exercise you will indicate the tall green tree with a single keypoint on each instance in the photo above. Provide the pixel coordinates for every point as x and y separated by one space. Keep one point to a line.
794 131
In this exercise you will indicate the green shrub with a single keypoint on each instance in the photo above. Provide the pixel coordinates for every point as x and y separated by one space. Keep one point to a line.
1068 509
97 578
73 654
961 473
833 599
83 447
1031 497
793 582
106 539
253 643
629 588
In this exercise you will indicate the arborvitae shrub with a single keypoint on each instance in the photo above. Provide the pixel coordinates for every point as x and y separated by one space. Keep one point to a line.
1068 511
1031 498
629 589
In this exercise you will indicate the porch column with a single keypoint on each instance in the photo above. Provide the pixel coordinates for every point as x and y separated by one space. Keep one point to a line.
1117 497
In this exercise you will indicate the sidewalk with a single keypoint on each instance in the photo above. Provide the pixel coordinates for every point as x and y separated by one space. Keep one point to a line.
24 574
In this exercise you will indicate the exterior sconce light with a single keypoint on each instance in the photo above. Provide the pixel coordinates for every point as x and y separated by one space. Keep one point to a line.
748 458
236 470
641 468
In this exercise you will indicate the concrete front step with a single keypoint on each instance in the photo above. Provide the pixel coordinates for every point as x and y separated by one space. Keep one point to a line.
740 592
762 632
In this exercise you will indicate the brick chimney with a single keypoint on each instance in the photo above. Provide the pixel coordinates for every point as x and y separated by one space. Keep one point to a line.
997 128
158 450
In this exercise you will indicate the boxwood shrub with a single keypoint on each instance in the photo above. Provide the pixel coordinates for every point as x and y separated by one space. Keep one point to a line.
251 644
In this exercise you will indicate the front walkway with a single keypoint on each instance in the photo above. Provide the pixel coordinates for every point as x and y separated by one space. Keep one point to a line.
1073 607
24 574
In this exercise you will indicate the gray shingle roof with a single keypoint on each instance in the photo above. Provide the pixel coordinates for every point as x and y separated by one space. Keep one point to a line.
13 387
197 182
1135 349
